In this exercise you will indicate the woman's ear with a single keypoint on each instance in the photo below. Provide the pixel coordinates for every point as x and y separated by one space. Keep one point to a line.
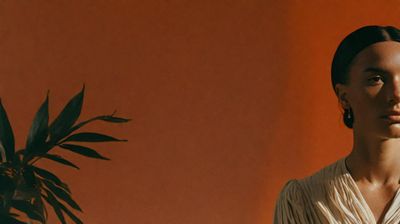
341 93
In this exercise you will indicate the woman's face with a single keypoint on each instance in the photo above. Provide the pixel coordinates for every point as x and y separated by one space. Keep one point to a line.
373 90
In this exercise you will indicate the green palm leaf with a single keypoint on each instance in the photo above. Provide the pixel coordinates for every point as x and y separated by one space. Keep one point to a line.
113 119
107 118
28 209
7 219
51 177
39 130
60 208
59 159
68 116
52 201
91 137
83 151
70 214
6 135
62 194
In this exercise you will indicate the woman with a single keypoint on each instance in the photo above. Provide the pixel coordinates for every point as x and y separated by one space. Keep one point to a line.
364 186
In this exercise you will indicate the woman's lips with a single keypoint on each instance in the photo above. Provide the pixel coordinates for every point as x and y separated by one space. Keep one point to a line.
393 118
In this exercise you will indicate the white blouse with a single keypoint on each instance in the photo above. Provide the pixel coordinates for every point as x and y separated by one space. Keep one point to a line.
329 196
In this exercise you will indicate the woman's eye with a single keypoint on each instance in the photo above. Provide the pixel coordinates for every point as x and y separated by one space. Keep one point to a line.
375 80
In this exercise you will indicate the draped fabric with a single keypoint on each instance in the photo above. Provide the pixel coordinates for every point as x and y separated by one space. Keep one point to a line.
328 196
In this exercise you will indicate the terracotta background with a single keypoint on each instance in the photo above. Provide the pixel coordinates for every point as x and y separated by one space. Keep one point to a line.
229 99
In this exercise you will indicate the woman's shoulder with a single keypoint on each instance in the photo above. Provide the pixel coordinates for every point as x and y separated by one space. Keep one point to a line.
330 175
295 189
293 205
291 192
298 196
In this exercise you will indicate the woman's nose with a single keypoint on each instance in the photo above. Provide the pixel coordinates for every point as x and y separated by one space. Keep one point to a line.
394 95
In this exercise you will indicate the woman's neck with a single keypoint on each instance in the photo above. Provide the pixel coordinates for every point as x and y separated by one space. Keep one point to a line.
375 160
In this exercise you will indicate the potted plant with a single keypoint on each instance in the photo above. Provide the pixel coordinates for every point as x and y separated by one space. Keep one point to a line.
28 190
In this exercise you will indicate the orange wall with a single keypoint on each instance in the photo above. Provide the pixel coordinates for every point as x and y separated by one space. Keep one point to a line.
229 99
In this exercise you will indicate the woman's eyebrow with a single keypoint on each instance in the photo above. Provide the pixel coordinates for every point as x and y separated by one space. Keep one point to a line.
374 69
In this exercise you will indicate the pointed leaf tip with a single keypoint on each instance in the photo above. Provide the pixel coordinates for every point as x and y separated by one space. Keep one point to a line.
114 119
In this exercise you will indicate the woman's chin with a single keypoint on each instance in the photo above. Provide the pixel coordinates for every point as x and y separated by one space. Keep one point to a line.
392 131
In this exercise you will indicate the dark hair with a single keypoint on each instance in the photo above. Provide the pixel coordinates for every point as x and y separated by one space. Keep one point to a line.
348 49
